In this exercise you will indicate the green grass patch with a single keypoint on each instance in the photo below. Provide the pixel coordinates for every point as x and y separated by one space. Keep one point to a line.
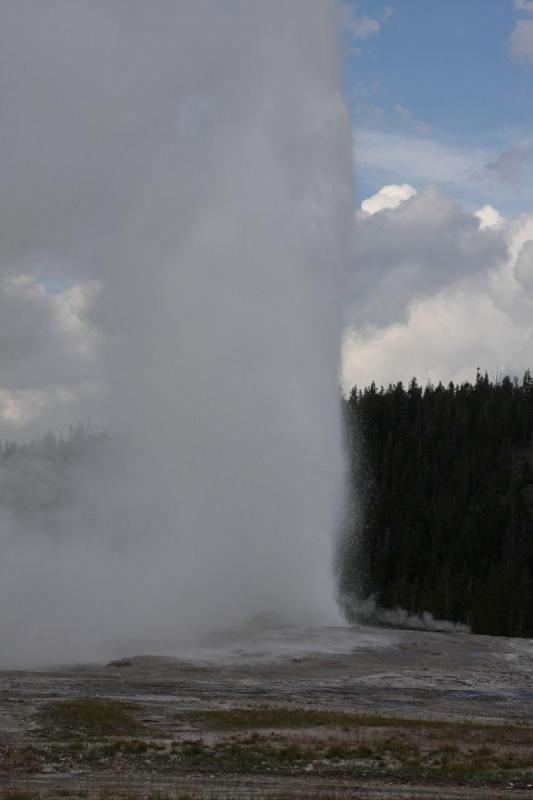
94 717
103 734
292 717
285 717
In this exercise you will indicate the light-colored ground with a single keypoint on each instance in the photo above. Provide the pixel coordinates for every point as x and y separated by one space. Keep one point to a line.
364 671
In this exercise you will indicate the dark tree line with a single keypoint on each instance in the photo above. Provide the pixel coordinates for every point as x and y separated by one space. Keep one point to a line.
441 518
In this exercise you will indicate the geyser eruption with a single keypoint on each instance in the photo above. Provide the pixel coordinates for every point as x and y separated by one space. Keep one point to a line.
199 160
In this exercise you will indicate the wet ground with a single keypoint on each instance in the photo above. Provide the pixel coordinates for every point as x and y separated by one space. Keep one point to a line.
316 712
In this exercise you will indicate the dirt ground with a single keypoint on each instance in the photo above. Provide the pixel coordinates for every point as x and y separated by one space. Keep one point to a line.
348 712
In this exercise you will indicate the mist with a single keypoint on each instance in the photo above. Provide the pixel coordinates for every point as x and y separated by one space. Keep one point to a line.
188 167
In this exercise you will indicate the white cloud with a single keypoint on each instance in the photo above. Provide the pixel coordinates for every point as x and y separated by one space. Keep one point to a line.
468 303
521 40
507 291
444 338
49 351
46 337
489 217
413 250
390 196
500 171
524 266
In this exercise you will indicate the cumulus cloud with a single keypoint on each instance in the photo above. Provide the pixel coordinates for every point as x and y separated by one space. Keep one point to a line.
388 197
489 217
524 266
46 337
452 290
386 153
49 353
506 290
445 337
412 248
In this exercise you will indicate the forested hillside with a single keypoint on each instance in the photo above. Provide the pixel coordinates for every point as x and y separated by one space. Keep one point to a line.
442 477
440 512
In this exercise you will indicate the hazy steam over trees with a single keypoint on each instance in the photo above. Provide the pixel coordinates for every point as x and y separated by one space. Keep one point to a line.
440 511
42 475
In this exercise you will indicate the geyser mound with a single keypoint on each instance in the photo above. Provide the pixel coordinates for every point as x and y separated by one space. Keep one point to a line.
216 218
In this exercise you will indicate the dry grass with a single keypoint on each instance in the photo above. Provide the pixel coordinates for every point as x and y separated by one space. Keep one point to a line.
96 737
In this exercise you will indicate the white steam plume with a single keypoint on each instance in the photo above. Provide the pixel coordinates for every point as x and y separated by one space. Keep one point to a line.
195 160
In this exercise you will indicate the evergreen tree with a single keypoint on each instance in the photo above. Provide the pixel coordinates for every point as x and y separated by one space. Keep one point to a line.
442 477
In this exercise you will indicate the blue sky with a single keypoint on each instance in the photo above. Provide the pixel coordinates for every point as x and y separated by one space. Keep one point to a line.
441 98
446 80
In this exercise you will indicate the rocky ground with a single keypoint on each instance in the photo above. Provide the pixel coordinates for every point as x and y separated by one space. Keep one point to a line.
362 713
